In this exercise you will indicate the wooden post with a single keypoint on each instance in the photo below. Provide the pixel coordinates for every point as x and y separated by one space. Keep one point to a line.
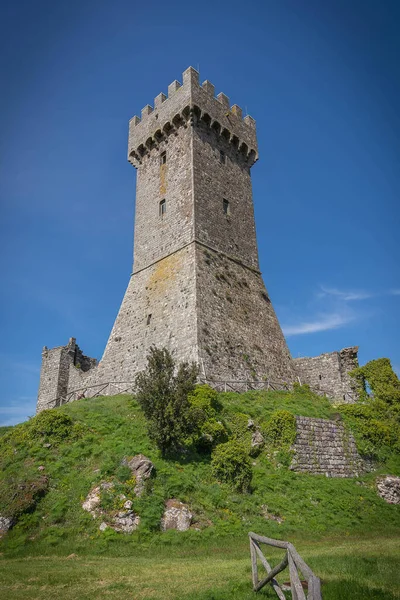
254 568
295 583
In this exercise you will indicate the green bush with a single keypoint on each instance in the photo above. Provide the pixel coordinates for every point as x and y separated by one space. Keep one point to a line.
375 427
205 398
51 424
381 379
280 429
238 425
212 433
18 496
231 464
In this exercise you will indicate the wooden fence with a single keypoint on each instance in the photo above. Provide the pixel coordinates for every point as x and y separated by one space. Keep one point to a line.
126 387
291 559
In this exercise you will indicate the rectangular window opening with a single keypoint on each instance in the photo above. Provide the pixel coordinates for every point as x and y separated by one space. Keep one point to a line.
226 206
163 158
162 208
148 319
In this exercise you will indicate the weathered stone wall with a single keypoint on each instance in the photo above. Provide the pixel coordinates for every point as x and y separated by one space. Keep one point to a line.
216 180
159 308
329 373
325 447
239 334
64 368
157 236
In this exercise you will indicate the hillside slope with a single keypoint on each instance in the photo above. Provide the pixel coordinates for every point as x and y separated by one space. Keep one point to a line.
44 481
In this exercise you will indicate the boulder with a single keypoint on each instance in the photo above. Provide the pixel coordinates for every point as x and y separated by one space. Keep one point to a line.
125 521
5 524
142 469
176 516
389 488
92 501
257 440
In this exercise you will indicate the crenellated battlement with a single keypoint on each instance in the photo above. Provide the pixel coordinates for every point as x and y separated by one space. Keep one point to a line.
188 104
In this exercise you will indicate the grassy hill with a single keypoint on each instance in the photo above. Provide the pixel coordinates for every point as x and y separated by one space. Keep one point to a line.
348 534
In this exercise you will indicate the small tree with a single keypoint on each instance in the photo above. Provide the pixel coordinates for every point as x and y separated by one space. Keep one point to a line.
162 391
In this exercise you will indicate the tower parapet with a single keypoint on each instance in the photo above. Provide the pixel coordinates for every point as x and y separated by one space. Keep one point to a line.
189 102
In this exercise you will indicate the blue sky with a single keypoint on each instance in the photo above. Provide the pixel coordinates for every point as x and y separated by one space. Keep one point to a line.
321 80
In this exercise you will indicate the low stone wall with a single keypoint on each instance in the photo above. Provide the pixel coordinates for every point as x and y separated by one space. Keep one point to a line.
324 447
329 373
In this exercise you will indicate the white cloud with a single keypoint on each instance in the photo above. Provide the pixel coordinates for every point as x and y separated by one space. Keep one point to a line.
322 323
394 292
347 296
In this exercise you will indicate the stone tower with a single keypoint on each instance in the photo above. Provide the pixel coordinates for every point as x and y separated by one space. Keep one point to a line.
196 286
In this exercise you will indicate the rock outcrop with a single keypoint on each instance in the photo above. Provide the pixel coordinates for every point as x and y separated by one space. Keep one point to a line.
142 469
176 516
389 488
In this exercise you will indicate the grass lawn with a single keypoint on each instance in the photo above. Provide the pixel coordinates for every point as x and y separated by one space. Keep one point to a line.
356 568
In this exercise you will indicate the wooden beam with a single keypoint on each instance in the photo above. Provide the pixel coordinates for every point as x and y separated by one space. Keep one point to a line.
295 583
267 567
269 541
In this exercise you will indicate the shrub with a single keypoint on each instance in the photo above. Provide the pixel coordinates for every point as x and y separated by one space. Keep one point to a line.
52 425
375 427
238 426
231 464
381 379
205 398
280 429
162 392
212 433
18 496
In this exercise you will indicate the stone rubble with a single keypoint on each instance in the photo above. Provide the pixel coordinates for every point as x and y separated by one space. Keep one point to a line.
389 488
5 524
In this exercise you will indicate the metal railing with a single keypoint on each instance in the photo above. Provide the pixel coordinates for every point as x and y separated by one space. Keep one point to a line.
291 559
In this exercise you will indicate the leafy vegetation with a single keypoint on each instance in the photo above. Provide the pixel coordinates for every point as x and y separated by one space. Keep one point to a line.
383 382
162 392
280 429
345 515
231 464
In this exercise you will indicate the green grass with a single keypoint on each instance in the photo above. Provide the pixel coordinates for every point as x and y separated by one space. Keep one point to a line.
349 568
346 532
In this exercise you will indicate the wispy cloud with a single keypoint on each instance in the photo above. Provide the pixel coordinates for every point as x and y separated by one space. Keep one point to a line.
321 323
347 296
394 292
18 410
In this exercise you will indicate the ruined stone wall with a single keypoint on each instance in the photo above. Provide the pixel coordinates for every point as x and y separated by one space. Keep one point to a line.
329 373
59 373
325 447
239 334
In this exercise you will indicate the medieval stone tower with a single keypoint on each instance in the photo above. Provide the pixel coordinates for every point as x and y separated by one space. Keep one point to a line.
196 287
